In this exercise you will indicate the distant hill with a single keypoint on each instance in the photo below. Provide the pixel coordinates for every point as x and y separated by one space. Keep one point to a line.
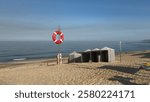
146 41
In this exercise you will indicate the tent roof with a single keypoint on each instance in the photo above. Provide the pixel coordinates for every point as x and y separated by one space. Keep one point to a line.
88 50
106 48
96 49
73 53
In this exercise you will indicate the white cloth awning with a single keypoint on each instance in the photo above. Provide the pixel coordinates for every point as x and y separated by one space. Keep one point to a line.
96 49
88 50
106 48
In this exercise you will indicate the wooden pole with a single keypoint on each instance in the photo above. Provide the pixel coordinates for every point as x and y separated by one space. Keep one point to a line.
58 54
120 50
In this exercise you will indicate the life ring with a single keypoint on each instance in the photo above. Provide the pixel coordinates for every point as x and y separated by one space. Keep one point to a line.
61 38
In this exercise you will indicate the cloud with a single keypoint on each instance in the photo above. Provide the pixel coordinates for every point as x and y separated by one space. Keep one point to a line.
109 31
11 30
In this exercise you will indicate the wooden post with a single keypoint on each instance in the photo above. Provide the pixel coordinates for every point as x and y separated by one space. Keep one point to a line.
120 51
58 62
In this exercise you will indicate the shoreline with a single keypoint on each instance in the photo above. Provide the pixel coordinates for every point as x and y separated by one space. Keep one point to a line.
31 60
65 57
47 72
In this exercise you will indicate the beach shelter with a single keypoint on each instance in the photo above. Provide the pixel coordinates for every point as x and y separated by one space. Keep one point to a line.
86 55
107 54
95 53
75 57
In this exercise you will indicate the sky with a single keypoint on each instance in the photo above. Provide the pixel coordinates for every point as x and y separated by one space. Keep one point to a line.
100 20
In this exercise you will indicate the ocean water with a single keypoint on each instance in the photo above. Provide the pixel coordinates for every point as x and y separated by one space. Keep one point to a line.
26 50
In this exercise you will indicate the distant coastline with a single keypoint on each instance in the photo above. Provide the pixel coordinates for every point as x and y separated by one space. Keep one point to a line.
146 41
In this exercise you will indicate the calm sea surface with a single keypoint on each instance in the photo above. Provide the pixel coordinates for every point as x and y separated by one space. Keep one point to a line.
10 50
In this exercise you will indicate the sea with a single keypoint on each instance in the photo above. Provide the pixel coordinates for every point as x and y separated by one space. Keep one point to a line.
28 50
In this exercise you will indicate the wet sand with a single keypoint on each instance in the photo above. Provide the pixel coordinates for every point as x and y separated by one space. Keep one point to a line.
47 72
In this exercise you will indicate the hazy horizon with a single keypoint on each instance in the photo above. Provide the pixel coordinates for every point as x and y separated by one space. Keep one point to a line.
50 40
100 20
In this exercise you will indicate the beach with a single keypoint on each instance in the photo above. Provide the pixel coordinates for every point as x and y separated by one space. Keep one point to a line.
47 72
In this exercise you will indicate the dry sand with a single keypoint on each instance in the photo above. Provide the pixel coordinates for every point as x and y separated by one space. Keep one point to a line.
39 73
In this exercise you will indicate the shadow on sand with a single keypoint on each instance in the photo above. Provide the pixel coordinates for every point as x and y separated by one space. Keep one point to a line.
143 55
128 70
123 80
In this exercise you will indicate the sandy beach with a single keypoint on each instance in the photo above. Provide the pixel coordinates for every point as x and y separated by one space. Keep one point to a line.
47 72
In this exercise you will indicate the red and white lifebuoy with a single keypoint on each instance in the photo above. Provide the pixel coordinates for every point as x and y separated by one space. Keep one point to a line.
61 38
